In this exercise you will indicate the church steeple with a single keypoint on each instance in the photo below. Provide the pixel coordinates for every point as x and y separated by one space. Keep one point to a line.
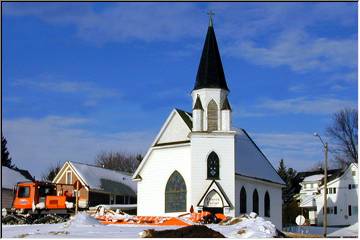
210 72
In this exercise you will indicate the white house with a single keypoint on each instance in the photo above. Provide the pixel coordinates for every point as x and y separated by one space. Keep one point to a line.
342 195
198 159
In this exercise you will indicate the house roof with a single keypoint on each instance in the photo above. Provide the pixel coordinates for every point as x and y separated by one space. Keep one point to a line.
210 72
313 178
102 179
186 116
248 155
198 104
10 177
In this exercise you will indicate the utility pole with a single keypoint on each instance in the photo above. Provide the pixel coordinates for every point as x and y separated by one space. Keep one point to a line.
326 148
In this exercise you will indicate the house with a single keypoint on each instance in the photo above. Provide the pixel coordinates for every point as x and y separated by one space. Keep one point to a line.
199 160
342 195
9 178
100 185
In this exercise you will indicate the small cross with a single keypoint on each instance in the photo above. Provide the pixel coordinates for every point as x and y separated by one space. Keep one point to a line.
211 14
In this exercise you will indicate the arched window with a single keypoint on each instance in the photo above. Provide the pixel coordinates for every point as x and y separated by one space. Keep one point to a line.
213 166
256 202
175 193
267 204
212 116
243 200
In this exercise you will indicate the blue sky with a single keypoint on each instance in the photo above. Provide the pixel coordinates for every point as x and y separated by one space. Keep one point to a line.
81 78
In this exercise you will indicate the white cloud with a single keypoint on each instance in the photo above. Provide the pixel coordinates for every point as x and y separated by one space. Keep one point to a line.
299 150
36 144
306 105
46 82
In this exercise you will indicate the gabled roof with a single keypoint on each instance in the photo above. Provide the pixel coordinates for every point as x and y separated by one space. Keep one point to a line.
215 186
210 72
251 162
186 116
102 179
10 177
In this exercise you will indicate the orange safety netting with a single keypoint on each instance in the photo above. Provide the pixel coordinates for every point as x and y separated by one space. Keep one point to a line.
147 220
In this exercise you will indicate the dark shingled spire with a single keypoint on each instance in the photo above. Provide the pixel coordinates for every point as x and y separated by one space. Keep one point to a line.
210 73
226 105
198 104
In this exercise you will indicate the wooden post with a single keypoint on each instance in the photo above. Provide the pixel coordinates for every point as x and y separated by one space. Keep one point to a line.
77 197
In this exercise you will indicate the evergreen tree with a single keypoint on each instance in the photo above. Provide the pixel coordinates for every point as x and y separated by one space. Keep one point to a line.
282 170
5 155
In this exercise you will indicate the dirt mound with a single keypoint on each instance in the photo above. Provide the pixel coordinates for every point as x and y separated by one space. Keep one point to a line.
194 231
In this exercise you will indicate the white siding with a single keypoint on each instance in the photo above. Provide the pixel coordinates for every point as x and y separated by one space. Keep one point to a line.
176 130
155 174
342 199
202 144
275 194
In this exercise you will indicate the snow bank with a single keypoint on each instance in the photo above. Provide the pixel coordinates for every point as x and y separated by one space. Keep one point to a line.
82 218
248 226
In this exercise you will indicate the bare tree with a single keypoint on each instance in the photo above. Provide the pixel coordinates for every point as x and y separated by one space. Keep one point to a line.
119 161
344 135
51 172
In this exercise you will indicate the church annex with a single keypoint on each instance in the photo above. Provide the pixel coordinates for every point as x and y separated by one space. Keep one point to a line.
198 159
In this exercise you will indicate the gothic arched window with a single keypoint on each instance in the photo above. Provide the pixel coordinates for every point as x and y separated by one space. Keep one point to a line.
212 116
256 202
267 204
175 193
213 166
243 200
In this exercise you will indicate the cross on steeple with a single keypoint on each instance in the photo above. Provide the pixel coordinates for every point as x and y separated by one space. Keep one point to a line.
211 14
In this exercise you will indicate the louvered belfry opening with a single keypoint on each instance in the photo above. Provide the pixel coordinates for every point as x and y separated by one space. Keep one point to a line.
212 116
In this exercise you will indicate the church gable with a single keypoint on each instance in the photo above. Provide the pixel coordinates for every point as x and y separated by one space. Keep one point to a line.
248 155
176 129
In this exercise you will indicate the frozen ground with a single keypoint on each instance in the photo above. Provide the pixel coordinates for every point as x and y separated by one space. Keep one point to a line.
84 226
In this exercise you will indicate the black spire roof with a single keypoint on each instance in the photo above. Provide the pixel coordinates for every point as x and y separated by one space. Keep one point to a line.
210 73
226 105
198 104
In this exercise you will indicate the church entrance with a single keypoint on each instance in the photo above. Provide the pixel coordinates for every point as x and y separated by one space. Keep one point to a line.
213 203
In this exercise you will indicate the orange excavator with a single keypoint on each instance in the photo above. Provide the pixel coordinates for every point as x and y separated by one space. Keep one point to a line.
40 202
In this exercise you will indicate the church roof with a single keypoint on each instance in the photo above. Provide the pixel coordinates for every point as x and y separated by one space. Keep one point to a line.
186 116
210 72
248 155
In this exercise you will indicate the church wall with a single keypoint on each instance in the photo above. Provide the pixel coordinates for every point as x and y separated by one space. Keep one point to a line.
161 163
261 187
201 146
175 131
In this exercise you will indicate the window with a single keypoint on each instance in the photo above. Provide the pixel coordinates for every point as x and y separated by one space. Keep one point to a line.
68 177
332 210
355 210
24 192
212 112
213 166
353 173
267 204
256 202
334 190
352 186
330 190
175 193
243 200
311 185
349 210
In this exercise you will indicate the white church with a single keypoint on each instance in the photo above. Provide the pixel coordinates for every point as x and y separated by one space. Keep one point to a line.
198 159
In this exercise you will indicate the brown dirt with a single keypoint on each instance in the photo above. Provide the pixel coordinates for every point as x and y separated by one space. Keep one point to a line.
298 235
194 231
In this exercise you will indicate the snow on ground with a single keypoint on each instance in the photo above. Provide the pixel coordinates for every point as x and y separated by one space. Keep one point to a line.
316 230
83 225
351 231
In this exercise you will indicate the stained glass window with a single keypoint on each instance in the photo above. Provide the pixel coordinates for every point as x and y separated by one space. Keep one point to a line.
267 204
213 166
243 200
175 193
256 202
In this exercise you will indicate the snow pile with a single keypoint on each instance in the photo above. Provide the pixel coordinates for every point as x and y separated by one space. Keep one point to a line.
249 226
83 219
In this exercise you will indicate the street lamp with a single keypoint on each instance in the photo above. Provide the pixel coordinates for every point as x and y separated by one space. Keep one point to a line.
325 144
